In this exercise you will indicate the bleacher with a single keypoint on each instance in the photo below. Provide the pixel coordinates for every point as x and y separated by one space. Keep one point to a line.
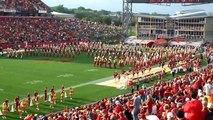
24 6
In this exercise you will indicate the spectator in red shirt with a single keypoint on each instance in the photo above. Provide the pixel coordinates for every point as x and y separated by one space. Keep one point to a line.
121 116
205 110
193 108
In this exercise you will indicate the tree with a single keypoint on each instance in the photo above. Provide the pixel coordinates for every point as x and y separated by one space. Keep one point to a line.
80 15
61 8
133 22
107 20
81 8
104 12
117 22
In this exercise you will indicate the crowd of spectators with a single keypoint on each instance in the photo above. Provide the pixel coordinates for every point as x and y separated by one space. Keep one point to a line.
187 97
52 29
29 6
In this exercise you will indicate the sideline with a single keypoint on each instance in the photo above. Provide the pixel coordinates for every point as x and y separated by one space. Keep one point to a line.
75 86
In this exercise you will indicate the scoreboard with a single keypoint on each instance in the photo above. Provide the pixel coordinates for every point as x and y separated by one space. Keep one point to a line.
170 1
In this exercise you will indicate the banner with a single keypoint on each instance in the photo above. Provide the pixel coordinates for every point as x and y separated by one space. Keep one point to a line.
10 10
29 45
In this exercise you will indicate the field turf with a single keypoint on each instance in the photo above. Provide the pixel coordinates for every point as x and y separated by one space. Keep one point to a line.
20 76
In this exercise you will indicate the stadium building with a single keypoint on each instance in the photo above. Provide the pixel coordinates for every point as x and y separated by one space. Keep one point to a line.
191 25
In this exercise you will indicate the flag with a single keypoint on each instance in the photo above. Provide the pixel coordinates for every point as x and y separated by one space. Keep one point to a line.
12 109
1 113
31 103
49 99
65 94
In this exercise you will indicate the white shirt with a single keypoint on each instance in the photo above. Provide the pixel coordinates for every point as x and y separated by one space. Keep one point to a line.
207 88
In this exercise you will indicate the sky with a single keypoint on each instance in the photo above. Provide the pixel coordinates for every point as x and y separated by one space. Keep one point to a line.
116 5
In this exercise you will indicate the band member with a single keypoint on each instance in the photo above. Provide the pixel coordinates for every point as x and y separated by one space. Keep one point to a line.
5 108
110 62
62 87
115 63
163 73
22 107
115 75
71 93
51 101
45 95
17 102
54 98
20 110
62 95
121 63
105 62
52 91
36 99
28 99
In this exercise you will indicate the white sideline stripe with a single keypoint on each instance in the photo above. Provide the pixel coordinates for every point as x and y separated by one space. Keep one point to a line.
91 82
75 86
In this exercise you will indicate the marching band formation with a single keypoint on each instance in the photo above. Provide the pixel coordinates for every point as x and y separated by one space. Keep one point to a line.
138 58
22 105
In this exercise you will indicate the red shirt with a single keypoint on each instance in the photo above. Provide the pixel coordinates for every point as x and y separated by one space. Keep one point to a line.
192 110
118 109
122 118
205 111
149 105
61 118
141 91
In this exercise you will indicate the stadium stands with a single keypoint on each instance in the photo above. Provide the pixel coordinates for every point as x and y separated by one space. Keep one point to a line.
164 101
50 29
28 6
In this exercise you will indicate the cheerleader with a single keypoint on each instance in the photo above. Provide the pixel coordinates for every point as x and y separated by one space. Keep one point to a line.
45 94
36 99
52 101
54 98
71 93
62 95
21 108
5 108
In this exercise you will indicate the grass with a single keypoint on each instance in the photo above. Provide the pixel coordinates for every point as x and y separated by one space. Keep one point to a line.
18 77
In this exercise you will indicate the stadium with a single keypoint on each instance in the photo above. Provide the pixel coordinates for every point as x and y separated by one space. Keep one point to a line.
191 25
54 66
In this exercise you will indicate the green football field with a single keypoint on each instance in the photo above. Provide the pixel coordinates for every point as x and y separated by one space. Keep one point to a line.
20 76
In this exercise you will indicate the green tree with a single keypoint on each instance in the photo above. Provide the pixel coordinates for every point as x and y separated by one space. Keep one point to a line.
117 22
61 8
80 15
104 12
133 22
107 20
81 8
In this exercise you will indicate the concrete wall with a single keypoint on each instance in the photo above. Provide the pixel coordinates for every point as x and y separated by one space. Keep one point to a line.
209 29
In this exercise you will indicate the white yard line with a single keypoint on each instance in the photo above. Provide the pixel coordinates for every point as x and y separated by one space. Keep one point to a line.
75 86
87 83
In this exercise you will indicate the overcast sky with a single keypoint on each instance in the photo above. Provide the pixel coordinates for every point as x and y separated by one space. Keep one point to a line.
116 5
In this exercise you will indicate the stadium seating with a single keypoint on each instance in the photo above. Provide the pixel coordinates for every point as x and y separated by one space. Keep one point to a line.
50 29
28 6
164 101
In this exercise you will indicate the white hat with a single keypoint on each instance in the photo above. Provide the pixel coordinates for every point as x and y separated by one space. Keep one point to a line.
210 105
200 92
152 117
169 115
